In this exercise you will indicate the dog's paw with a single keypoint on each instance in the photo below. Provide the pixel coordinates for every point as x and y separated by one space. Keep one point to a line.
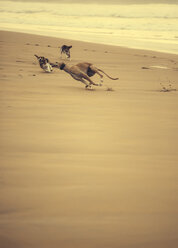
88 87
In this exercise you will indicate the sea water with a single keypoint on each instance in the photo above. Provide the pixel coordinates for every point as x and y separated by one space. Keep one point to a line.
142 26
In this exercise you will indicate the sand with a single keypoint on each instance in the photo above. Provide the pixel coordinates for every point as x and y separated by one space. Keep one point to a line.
87 168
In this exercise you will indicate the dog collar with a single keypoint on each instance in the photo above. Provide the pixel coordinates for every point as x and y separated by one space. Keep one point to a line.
62 66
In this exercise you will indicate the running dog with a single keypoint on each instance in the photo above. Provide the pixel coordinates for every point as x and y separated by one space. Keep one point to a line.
83 71
66 50
44 63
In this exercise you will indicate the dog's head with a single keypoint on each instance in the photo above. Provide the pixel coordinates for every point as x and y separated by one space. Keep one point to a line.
66 49
58 65
42 60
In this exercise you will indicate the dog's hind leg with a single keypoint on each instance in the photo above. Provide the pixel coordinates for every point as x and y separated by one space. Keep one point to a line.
93 68
85 76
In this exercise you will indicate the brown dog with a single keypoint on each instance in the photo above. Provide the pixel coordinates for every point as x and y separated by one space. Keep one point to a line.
83 71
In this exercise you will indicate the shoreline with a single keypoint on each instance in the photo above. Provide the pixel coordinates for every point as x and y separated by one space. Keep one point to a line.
78 167
67 38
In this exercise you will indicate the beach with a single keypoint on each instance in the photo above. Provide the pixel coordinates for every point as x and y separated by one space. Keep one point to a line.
152 26
87 168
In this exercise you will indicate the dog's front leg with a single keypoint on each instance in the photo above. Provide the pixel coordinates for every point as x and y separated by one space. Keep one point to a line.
87 86
79 79
68 57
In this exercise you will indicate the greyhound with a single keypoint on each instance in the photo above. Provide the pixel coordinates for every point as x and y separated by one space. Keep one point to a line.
83 71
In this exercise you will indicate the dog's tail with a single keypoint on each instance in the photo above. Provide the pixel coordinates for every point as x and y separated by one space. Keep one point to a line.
108 75
36 56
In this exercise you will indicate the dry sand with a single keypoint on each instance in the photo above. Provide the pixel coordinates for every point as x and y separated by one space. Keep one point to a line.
87 169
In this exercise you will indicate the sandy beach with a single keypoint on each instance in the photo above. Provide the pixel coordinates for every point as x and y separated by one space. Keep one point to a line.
87 168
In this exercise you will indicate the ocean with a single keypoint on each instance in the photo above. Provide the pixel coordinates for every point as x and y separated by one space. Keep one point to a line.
142 26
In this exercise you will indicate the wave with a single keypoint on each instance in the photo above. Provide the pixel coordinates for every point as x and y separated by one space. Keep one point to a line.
21 11
138 25
92 10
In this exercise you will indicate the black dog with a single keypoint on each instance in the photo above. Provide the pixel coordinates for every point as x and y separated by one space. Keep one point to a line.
66 50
